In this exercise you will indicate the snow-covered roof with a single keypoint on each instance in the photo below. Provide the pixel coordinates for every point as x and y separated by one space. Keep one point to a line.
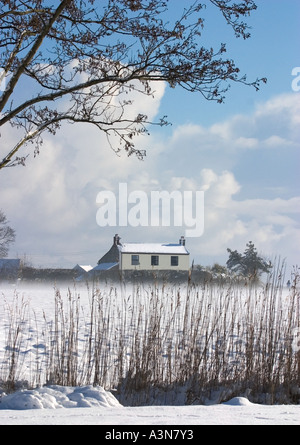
104 266
153 248
83 267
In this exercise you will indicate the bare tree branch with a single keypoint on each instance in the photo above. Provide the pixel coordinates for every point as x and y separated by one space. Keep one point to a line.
29 57
90 55
7 235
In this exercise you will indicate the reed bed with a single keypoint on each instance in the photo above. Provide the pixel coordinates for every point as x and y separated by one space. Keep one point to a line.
163 344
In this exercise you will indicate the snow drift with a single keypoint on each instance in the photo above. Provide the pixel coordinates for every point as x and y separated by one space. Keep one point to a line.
95 406
53 397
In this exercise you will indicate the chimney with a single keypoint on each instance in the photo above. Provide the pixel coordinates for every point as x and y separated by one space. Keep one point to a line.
117 240
182 241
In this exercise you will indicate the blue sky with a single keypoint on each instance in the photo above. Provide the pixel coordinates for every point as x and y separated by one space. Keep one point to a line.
243 154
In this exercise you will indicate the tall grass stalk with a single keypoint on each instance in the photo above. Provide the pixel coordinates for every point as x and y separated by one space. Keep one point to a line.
16 326
170 344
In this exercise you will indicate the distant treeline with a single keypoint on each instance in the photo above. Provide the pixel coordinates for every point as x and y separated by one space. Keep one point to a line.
30 274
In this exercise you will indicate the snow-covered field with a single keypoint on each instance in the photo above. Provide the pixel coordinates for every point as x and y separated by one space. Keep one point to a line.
93 405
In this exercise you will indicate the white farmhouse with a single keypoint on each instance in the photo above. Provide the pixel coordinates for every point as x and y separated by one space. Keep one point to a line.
153 257
144 260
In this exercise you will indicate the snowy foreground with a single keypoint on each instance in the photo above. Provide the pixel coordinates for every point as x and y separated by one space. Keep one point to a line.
87 405
57 405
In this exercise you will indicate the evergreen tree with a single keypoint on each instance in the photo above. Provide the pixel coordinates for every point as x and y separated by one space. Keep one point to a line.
248 264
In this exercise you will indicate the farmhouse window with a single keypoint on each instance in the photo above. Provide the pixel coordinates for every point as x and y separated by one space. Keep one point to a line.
135 260
154 260
174 260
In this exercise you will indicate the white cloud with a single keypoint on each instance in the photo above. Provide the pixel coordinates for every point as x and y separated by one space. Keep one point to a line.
52 201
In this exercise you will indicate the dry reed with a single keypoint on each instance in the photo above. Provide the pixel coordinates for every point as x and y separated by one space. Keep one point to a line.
169 344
